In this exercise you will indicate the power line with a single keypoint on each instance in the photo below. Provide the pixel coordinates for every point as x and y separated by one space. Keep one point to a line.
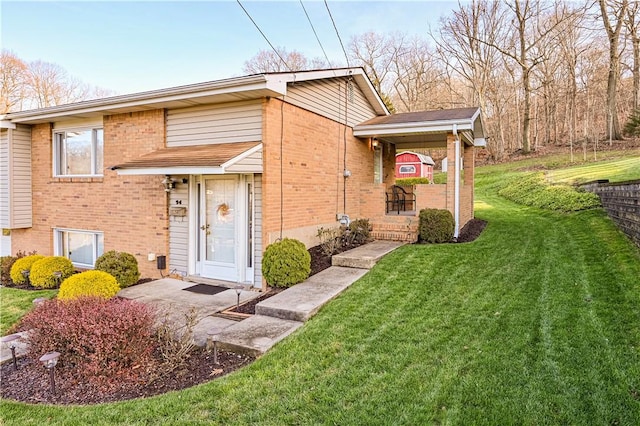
337 33
265 37
316 34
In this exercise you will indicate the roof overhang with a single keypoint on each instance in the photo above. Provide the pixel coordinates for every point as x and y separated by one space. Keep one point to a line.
419 131
212 159
249 87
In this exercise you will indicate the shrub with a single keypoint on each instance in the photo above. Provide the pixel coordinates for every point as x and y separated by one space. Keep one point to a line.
99 338
6 262
285 263
123 266
330 239
89 283
533 190
23 264
412 181
436 225
358 232
43 271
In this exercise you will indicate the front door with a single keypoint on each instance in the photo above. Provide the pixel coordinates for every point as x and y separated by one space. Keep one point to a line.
219 228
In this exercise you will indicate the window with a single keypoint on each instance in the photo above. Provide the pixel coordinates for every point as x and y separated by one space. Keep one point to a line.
407 169
79 152
81 247
377 165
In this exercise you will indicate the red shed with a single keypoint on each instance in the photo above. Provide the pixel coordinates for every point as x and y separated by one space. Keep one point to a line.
411 164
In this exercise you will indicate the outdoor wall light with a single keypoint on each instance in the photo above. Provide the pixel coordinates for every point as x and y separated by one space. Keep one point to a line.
374 142
49 360
169 183
10 342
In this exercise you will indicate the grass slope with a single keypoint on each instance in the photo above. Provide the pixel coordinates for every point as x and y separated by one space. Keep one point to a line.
15 303
536 322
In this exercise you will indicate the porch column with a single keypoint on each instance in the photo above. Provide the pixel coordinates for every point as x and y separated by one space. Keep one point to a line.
469 177
451 172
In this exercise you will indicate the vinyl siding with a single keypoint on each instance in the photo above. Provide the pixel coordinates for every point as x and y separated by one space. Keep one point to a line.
179 230
15 178
327 98
257 233
250 164
214 124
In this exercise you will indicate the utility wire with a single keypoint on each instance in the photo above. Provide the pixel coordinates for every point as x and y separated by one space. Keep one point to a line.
316 34
337 33
265 37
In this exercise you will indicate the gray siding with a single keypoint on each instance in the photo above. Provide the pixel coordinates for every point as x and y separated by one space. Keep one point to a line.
250 164
4 178
327 98
257 201
15 178
213 124
179 230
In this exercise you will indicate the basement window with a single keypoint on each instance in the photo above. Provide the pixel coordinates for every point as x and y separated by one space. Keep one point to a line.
81 247
78 152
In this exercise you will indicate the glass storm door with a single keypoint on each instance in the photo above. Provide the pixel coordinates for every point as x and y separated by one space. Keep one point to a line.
219 229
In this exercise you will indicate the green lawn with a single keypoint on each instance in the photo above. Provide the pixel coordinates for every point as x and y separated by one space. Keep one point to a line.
15 303
536 322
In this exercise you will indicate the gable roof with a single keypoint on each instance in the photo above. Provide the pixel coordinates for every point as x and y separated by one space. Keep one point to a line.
424 159
219 91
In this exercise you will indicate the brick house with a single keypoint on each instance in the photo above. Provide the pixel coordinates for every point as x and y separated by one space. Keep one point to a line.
209 174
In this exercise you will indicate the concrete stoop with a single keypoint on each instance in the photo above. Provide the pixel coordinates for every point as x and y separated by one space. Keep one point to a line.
365 256
256 335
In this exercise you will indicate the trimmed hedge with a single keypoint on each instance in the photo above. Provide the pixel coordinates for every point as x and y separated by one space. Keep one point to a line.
436 226
43 271
412 181
23 264
123 266
285 263
87 284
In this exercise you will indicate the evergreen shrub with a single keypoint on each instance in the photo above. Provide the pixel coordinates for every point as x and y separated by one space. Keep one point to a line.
123 266
23 264
436 226
43 271
285 263
89 283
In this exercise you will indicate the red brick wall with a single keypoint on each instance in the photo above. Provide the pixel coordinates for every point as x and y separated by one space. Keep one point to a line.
312 170
130 210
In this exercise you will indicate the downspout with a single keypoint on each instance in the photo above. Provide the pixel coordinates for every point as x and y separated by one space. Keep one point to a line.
456 186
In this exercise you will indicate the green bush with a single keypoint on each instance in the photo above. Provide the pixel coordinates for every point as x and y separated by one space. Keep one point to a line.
285 263
533 190
43 271
123 266
89 284
359 232
23 264
412 181
436 226
6 262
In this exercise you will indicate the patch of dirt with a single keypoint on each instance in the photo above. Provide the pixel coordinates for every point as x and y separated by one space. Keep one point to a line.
250 306
31 382
471 231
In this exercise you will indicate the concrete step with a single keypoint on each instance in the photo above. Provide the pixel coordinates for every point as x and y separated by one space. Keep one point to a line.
366 256
255 335
302 301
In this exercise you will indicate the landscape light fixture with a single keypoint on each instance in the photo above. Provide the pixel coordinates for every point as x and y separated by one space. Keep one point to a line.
212 342
25 274
58 276
49 360
10 342
238 289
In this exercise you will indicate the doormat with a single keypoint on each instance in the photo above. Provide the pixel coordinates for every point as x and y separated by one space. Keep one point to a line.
205 289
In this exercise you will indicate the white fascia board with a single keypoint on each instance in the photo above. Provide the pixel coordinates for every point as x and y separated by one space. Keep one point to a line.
408 129
154 98
4 124
171 171
242 156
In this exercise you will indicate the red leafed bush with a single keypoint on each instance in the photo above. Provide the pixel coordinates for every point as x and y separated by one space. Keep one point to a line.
100 339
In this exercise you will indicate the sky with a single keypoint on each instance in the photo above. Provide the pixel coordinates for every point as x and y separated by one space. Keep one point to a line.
130 47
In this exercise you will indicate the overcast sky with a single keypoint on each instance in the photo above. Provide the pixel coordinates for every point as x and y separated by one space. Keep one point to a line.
135 46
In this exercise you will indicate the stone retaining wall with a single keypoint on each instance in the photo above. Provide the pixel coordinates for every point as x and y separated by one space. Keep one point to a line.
621 200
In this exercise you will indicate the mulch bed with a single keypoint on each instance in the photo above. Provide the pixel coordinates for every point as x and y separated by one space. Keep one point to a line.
471 231
31 384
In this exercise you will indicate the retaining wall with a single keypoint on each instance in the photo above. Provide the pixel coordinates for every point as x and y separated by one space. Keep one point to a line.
621 200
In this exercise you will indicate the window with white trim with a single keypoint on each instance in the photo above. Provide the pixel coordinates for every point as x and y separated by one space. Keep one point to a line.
81 247
78 152
407 169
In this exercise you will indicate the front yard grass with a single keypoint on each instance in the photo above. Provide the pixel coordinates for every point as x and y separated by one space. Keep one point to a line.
15 303
536 322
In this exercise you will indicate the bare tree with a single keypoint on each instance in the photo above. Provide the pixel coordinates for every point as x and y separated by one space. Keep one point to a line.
12 81
282 60
633 29
374 53
49 84
613 14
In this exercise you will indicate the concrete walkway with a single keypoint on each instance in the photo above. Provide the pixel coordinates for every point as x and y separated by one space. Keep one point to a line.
276 317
